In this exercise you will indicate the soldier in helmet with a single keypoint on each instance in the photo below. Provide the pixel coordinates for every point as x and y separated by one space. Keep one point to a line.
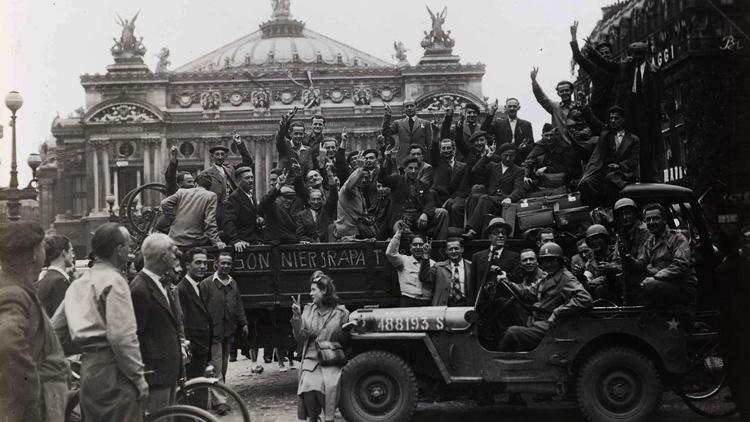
558 292
604 265
632 234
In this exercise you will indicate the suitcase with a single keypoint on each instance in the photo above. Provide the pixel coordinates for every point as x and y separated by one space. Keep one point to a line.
530 219
573 220
568 201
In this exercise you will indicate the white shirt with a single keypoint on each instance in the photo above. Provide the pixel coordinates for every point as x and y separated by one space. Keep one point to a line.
504 168
224 282
635 75
618 139
155 278
512 123
314 215
194 284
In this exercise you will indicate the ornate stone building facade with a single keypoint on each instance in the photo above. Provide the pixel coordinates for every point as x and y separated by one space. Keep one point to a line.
132 116
701 49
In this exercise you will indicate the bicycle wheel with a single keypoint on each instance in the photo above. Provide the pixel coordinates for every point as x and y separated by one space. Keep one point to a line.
704 389
181 413
223 402
72 409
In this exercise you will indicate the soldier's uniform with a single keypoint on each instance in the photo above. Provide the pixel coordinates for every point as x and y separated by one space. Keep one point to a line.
669 261
556 293
603 283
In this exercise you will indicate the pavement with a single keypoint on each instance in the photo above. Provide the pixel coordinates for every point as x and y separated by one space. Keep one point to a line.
271 397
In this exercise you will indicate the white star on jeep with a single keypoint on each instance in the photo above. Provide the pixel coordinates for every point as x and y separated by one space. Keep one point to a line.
673 324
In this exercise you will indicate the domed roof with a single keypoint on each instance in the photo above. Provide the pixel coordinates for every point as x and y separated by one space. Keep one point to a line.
283 41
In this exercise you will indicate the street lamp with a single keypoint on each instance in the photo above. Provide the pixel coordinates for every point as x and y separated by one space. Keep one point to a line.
13 101
34 161
111 201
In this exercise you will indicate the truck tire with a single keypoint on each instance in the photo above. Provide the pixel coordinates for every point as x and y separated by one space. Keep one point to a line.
377 386
618 384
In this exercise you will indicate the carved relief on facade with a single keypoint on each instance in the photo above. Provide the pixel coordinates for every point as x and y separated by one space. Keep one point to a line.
387 93
443 102
286 96
185 99
362 95
261 98
122 113
337 95
211 99
311 97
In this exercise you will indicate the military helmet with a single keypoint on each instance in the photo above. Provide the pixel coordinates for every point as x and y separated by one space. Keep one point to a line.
596 230
551 250
623 203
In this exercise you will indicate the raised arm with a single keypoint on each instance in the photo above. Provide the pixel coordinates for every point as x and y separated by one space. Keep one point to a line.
247 159
539 94
391 252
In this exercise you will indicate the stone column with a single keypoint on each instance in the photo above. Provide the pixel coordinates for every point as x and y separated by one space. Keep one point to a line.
116 187
105 167
94 148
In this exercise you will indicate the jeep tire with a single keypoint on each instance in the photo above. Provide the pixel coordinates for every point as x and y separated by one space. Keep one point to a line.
618 384
377 386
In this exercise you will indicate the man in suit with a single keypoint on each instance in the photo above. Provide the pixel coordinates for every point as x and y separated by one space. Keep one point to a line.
465 127
470 183
277 207
157 314
192 215
413 202
550 163
241 214
601 79
511 130
313 223
59 255
505 186
448 171
410 130
614 163
294 150
222 174
449 278
636 87
196 320
425 171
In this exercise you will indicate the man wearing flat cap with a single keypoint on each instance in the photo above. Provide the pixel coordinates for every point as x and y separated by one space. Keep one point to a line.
505 185
550 164
511 130
636 88
241 214
614 163
462 130
222 174
410 130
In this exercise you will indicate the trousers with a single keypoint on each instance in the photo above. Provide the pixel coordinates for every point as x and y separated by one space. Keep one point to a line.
106 394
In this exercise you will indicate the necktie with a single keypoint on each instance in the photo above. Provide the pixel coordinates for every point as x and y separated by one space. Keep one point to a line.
638 76
411 124
457 294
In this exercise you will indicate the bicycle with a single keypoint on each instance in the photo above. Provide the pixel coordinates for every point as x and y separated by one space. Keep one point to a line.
202 391
186 413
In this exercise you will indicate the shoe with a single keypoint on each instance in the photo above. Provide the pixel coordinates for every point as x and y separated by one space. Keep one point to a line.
283 369
470 234
222 409
257 369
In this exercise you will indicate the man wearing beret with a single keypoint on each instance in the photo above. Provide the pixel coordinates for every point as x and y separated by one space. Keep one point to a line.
33 385
511 130
614 163
465 127
505 186
410 130
636 88
222 174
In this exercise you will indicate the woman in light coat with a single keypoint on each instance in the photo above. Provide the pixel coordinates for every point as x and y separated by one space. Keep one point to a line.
319 321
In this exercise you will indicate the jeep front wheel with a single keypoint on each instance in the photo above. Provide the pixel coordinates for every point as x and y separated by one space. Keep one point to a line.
618 384
377 386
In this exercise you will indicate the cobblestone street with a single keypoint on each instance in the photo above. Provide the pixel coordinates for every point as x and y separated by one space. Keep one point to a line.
271 398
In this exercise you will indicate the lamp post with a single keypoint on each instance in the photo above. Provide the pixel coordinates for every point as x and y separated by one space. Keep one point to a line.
13 101
34 161
111 201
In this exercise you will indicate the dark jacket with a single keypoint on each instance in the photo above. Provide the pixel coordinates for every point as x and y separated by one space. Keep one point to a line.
158 330
500 128
480 267
626 156
446 179
440 276
407 194
196 318
556 157
420 133
509 184
224 304
51 290
217 182
280 225
459 132
316 231
240 218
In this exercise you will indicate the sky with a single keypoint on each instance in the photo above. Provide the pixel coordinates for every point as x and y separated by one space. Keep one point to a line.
46 45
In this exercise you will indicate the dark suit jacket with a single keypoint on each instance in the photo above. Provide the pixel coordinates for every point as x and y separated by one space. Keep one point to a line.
195 318
480 266
240 216
500 129
626 156
217 181
280 225
158 330
51 290
460 132
401 193
421 134
317 231
446 180
509 184
440 276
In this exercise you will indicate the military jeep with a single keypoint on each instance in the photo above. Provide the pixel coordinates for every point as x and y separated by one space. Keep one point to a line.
614 361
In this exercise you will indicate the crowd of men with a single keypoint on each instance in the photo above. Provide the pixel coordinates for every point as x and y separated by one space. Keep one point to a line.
421 181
